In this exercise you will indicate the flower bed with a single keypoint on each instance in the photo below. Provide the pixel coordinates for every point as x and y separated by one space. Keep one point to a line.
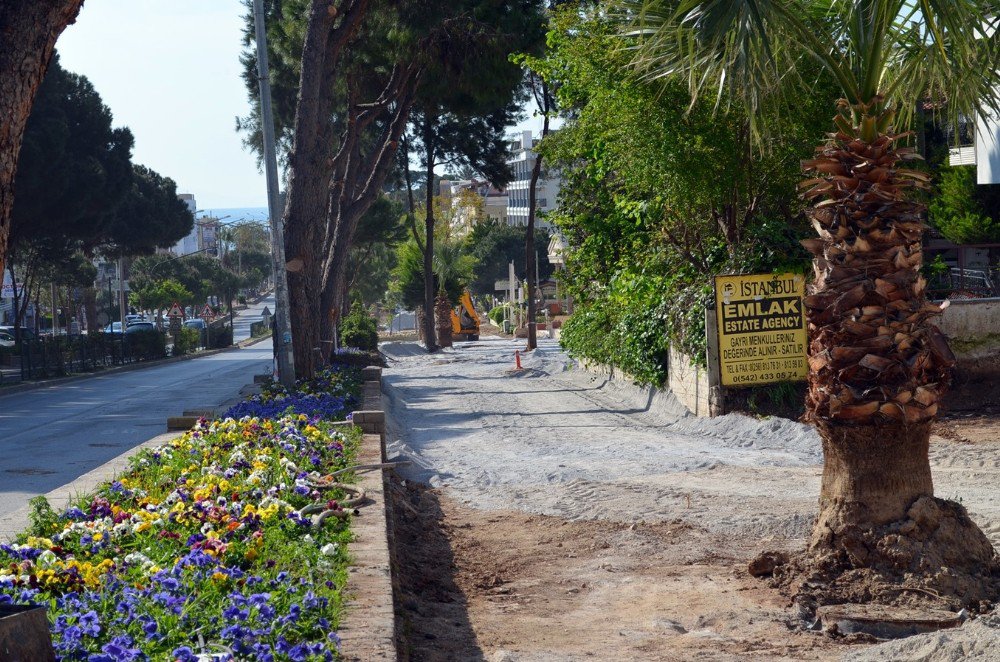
201 548
332 394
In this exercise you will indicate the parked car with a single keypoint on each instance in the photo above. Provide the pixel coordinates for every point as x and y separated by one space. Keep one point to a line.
132 319
139 327
114 327
26 333
6 340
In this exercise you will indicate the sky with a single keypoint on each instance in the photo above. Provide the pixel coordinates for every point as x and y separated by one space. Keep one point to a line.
170 71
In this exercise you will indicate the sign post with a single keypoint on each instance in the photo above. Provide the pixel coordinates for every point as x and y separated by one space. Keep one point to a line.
175 314
761 328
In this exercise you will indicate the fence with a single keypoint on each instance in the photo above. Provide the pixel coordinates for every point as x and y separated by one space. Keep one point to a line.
43 358
959 283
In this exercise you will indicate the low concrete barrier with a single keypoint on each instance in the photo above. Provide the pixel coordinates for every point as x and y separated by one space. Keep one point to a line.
368 630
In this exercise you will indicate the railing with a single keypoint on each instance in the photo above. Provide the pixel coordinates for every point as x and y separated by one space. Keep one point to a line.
965 284
44 358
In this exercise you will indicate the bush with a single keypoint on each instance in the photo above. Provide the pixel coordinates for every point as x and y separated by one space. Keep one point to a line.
626 332
359 329
496 314
220 337
146 344
186 341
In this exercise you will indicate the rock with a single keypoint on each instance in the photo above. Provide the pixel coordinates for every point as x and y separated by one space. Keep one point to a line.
765 563
669 626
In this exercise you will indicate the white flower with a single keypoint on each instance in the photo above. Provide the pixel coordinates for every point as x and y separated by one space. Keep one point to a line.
329 549
45 559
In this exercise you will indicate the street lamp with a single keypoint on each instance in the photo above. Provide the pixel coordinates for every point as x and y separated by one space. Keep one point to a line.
174 259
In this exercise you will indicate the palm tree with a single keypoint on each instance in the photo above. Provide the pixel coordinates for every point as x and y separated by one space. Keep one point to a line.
878 366
453 268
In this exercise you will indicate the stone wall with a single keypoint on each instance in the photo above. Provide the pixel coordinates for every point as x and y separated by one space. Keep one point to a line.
972 327
688 383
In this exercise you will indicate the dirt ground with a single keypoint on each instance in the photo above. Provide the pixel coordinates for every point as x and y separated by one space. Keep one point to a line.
508 585
536 545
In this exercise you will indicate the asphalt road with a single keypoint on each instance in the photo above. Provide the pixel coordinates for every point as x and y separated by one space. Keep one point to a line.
241 323
51 436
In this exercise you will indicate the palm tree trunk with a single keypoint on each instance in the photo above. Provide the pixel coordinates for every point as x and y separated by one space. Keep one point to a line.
871 475
442 313
878 367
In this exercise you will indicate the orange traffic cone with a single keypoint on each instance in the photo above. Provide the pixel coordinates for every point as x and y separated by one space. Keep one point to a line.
517 359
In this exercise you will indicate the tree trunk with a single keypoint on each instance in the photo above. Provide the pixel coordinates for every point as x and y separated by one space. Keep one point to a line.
429 236
878 368
90 308
442 313
28 33
310 169
530 268
352 193
871 475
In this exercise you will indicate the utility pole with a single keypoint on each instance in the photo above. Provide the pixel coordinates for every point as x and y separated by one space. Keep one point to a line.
121 294
283 329
55 313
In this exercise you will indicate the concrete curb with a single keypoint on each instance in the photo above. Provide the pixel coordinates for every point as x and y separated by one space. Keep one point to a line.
31 386
61 497
368 630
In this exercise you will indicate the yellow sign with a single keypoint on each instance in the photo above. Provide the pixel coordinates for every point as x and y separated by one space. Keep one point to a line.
762 328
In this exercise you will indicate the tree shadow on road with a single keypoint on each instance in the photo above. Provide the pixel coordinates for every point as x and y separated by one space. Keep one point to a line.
432 620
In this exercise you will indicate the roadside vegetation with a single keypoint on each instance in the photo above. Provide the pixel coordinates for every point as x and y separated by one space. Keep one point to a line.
220 542
660 195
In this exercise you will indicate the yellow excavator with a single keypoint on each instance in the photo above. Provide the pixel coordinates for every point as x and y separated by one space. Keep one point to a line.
465 319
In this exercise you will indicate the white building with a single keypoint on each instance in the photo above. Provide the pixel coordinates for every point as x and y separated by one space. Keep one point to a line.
491 203
546 191
204 236
188 244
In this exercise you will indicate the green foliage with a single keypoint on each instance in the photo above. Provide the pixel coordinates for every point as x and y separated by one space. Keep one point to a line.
222 336
452 268
76 187
408 275
373 250
624 329
495 244
497 314
74 167
146 345
156 295
957 213
933 269
450 260
44 519
659 197
197 275
186 341
359 329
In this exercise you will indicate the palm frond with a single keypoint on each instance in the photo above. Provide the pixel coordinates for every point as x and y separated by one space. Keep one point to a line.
901 52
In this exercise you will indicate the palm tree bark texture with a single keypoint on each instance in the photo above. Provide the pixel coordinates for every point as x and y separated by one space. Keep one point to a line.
878 365
28 33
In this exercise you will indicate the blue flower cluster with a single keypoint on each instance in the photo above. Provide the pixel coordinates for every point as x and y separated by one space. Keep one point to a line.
329 407
331 393
252 626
